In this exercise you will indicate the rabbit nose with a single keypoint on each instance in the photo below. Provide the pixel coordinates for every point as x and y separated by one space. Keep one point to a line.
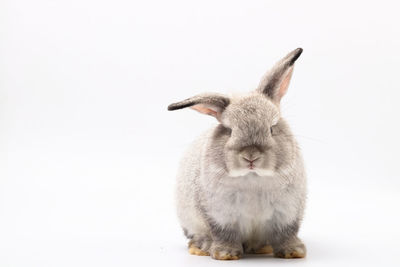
251 159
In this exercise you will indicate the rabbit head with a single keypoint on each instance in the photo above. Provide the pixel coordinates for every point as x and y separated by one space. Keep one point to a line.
255 138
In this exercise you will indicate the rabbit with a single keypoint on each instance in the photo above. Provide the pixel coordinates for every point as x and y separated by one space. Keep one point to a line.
241 186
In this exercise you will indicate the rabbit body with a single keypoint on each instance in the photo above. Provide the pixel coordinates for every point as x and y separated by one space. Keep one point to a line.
241 186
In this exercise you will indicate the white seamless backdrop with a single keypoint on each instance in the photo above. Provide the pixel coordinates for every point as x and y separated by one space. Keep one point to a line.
88 151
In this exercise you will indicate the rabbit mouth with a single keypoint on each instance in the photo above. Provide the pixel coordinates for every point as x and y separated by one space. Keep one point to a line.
254 170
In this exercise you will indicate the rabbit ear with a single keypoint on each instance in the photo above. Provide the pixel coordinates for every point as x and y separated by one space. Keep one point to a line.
210 104
276 81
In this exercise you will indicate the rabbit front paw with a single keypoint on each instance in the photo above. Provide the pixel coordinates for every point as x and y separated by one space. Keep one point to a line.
226 252
199 246
291 252
194 250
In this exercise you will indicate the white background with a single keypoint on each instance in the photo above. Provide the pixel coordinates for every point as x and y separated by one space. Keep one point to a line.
88 151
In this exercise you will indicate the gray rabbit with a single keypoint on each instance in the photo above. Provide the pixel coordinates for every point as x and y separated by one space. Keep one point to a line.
241 187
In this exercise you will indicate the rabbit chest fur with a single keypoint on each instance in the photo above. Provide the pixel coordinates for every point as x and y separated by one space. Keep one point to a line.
248 208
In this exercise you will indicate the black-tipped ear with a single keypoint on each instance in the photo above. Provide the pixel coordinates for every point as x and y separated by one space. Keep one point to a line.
276 81
210 104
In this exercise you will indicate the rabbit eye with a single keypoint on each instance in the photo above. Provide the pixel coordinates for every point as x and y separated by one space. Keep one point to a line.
272 130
